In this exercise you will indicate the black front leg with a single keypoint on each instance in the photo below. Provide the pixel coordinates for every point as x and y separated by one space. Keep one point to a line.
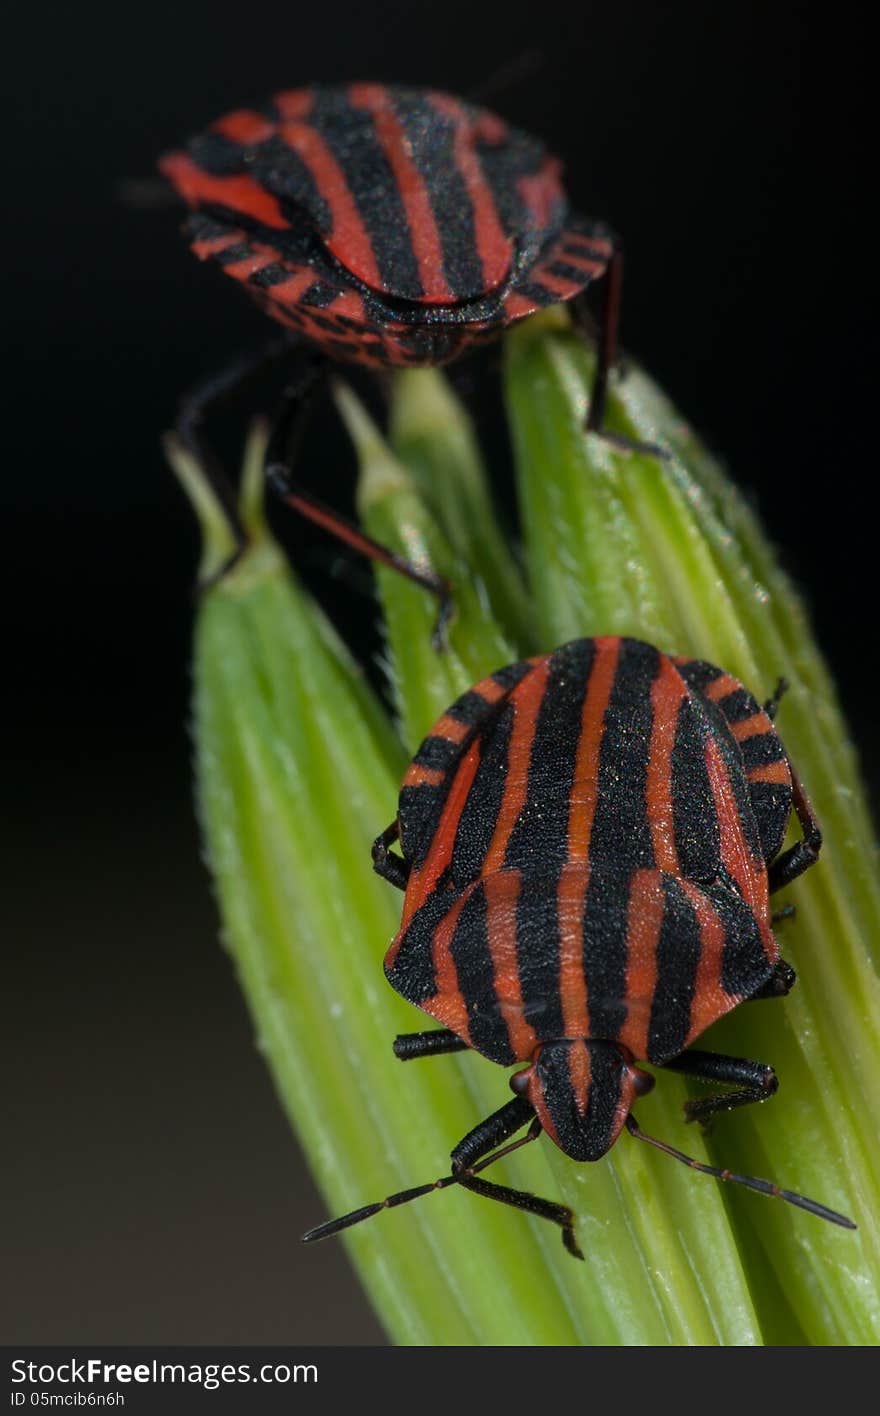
755 1081
280 463
803 854
391 867
197 404
779 984
436 1043
470 1156
607 352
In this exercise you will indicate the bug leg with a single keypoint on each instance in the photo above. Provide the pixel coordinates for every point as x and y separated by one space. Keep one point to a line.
779 984
435 1043
803 854
607 355
751 1182
391 867
195 406
772 705
470 1157
784 912
295 496
755 1081
281 458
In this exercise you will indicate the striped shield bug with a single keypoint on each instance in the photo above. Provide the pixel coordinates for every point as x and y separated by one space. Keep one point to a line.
588 844
383 226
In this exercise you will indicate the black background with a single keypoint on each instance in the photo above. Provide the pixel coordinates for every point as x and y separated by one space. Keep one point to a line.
156 1194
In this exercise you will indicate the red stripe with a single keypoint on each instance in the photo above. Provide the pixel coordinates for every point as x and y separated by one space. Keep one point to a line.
349 304
287 292
526 700
579 1075
750 876
720 687
542 190
517 306
575 877
751 727
419 776
502 893
585 787
493 245
710 1000
775 772
294 103
644 922
347 237
572 983
424 235
423 880
448 1005
588 264
244 126
239 193
667 694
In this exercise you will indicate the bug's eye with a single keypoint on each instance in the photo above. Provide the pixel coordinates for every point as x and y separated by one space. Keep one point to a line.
642 1082
519 1082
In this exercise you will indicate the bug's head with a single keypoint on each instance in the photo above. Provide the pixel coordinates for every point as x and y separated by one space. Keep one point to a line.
582 1092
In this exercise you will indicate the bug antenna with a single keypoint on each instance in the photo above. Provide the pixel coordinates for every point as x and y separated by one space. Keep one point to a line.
334 1226
508 75
763 1187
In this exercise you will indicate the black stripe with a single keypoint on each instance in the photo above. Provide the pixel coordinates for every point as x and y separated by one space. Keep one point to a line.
678 955
480 815
621 837
568 272
412 973
761 749
230 255
430 136
437 754
351 137
475 972
319 295
605 920
202 227
418 812
738 705
583 248
503 166
272 274
744 965
470 709
695 820
605 1078
283 173
538 945
587 1136
420 807
698 674
217 155
512 674
539 294
542 824
330 323
771 803
730 755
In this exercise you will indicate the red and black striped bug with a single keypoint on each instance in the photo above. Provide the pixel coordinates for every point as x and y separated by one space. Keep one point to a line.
589 842
385 226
